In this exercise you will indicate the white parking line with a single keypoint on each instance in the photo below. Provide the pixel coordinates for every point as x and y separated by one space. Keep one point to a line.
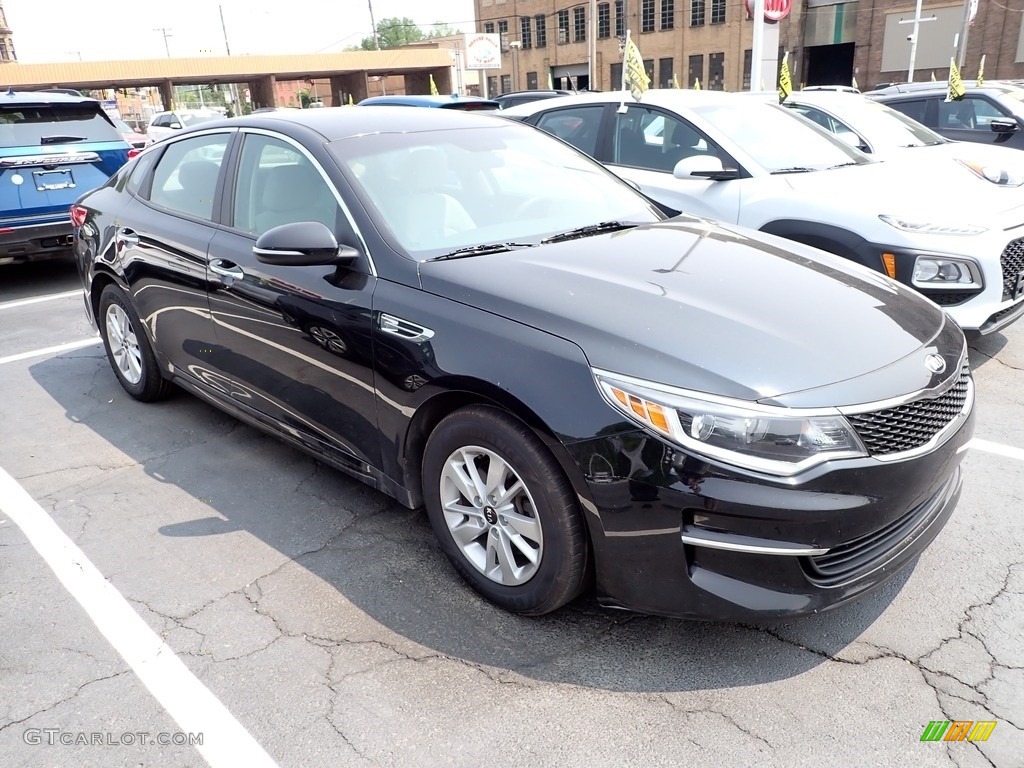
226 742
38 299
1002 450
51 350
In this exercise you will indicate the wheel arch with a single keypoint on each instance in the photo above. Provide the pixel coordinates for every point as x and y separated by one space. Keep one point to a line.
827 237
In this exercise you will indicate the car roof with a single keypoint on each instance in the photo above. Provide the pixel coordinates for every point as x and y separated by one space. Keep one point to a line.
42 97
413 100
679 98
993 86
342 122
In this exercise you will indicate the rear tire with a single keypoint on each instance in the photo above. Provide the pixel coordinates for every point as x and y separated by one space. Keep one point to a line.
128 348
503 511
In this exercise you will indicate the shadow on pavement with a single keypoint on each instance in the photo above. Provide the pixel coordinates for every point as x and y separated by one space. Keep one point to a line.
383 558
22 281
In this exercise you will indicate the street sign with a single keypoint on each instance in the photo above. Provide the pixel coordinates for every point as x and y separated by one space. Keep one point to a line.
483 51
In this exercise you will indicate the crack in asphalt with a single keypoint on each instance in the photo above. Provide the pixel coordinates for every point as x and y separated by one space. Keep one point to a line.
711 711
55 704
987 356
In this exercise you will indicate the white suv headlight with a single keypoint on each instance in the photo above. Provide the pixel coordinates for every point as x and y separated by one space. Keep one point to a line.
929 228
777 441
937 271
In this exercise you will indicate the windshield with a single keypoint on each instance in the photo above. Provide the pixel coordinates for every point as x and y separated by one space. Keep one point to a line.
194 118
778 139
441 191
28 125
885 126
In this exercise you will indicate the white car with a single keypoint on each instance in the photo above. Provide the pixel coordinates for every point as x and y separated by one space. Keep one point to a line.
943 228
164 124
885 133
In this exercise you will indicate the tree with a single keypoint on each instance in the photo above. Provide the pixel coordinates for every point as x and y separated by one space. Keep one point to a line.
443 30
394 32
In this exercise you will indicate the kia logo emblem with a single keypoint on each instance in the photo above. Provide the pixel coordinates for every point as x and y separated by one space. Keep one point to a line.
935 363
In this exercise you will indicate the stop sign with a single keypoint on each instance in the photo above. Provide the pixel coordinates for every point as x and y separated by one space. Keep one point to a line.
774 10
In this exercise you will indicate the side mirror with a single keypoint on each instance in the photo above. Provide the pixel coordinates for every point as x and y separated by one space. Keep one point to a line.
175 125
704 167
301 244
1004 125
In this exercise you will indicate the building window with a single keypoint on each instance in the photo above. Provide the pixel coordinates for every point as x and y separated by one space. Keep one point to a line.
525 33
665 73
4 55
579 24
616 75
620 18
503 31
748 65
542 30
668 14
716 72
531 81
718 11
563 27
649 69
696 13
604 21
492 86
696 70
489 28
506 83
647 16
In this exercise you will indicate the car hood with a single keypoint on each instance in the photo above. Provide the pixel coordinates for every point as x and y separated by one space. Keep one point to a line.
916 188
712 308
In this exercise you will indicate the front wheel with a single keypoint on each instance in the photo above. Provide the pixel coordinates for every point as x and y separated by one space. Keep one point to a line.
128 349
503 511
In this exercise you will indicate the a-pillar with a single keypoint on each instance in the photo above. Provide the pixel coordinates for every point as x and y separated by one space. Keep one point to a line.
167 94
354 84
261 92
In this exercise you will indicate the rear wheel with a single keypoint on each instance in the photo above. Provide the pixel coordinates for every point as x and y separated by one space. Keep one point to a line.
503 511
128 349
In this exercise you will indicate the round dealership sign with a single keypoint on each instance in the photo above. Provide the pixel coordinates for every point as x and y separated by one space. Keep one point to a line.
774 10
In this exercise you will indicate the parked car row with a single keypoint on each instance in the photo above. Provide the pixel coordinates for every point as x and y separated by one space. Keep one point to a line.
691 417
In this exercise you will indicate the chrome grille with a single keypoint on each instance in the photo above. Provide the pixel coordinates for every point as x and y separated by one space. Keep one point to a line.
1012 262
913 424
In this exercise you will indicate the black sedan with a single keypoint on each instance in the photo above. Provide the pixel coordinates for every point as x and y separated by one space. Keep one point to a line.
467 314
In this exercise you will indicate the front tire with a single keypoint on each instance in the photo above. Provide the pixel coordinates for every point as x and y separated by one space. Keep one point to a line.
128 348
503 511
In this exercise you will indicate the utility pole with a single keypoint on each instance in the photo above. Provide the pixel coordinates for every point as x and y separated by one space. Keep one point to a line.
592 48
166 32
376 37
912 37
236 108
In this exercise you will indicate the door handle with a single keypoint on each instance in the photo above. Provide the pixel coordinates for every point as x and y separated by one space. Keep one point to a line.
127 236
226 268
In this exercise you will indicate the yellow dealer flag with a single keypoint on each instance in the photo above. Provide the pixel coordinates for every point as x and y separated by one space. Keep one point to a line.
350 102
696 84
857 87
634 76
956 85
675 82
433 88
785 80
933 75
981 71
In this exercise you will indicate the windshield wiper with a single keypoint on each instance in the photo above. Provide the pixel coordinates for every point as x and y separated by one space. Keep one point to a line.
481 250
843 165
59 139
794 169
587 231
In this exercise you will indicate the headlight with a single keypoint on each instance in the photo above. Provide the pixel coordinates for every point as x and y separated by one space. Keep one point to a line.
993 173
777 441
927 228
936 271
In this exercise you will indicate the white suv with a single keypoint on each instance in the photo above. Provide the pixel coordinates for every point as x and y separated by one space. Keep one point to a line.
951 233
165 124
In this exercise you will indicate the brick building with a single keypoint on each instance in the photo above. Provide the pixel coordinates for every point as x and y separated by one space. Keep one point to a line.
829 41
709 40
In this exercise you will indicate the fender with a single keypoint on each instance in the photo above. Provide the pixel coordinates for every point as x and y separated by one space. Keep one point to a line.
836 240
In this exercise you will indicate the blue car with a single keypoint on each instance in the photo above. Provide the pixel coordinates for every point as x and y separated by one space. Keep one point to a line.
454 101
54 147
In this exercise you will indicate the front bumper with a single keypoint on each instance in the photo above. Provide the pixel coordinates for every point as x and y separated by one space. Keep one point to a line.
35 241
676 536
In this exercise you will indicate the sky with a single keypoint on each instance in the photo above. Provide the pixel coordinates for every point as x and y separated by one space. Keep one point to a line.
114 29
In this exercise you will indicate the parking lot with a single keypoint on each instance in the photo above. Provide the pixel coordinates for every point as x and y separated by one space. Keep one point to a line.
206 583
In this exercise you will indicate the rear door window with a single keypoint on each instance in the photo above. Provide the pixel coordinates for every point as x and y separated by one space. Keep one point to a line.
26 125
578 126
185 177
